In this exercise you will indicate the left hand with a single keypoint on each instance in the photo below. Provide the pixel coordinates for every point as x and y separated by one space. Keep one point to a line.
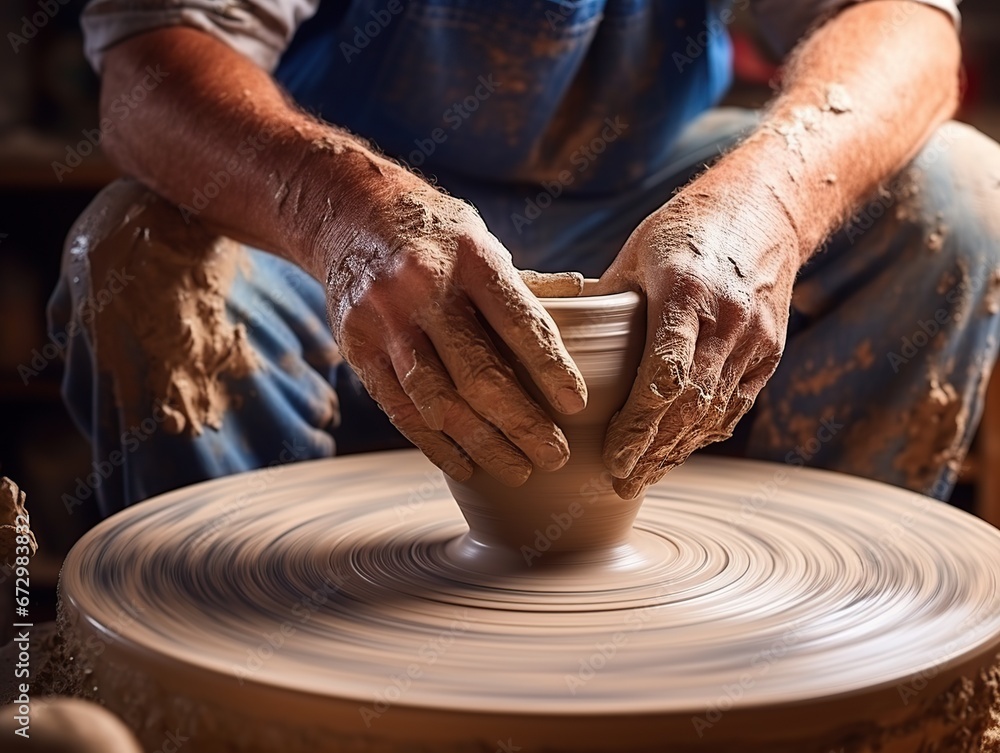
717 272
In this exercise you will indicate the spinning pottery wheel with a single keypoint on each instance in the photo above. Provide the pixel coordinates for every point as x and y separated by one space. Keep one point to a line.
345 605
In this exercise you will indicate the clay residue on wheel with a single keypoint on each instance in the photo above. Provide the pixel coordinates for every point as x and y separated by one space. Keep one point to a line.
961 719
169 302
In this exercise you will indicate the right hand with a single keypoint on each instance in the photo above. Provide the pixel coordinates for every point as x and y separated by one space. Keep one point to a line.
403 291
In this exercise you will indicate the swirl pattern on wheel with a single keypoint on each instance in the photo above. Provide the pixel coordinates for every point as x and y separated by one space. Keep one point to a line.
352 572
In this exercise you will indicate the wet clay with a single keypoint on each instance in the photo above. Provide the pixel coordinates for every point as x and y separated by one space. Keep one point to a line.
933 432
331 612
158 285
605 336
348 605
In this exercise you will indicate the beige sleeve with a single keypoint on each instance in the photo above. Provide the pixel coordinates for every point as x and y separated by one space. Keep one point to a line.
260 29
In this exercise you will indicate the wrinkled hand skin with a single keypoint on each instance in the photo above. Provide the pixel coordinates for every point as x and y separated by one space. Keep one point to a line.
717 273
406 288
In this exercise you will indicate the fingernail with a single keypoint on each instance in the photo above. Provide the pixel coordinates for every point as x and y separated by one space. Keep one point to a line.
513 475
628 488
551 456
622 462
570 401
460 471
434 413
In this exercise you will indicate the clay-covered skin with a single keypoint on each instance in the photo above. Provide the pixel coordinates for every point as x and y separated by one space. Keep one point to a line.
407 267
604 334
717 262
761 608
405 294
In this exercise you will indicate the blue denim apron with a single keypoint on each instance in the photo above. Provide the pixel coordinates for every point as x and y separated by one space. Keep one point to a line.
516 88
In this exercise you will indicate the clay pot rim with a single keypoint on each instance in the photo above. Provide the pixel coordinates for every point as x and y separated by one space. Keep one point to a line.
624 300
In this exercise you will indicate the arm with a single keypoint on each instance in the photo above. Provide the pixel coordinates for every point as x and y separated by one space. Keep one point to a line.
405 266
717 263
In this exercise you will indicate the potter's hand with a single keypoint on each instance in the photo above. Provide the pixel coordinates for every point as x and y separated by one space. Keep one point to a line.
404 290
718 279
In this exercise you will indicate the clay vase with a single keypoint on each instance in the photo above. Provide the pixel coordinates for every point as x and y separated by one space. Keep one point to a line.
572 514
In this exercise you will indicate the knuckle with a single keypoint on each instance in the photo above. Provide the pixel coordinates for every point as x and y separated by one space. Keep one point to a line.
481 372
666 378
400 415
522 426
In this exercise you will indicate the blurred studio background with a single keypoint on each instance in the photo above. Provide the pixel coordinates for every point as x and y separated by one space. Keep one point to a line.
48 105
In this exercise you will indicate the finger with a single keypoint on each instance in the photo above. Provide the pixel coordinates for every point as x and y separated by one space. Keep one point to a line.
611 282
681 420
717 421
665 454
748 376
423 378
375 372
553 284
730 403
758 373
490 387
691 413
662 377
688 419
631 487
521 321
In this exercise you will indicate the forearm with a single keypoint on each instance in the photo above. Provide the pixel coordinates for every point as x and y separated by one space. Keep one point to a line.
859 98
218 137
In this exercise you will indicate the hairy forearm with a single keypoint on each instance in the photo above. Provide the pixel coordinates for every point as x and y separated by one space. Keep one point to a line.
859 98
219 138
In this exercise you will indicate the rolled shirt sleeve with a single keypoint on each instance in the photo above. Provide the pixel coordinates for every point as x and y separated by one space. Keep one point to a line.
785 22
260 29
